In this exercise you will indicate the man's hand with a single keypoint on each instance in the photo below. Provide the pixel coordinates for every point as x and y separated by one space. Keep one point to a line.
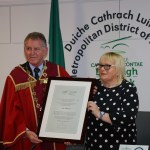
33 137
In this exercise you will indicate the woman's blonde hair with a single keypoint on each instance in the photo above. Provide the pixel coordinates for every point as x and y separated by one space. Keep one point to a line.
118 62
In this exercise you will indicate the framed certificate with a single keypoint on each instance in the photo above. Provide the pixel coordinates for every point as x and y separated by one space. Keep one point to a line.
65 110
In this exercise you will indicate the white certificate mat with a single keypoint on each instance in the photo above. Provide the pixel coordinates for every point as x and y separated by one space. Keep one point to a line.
65 109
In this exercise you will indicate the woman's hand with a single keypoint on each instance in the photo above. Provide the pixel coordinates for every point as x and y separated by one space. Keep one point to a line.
94 90
94 109
33 137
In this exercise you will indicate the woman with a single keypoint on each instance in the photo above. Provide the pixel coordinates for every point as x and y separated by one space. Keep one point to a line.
113 110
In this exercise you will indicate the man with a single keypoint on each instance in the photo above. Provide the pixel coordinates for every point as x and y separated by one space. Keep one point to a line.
22 99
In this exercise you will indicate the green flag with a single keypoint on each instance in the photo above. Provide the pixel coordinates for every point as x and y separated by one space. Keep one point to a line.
56 54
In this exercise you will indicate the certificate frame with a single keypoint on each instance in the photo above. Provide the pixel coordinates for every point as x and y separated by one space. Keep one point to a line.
64 115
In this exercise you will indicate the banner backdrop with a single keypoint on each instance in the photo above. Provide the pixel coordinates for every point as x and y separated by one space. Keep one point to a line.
93 28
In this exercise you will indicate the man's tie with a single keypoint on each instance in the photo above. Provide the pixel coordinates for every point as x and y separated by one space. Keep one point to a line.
36 70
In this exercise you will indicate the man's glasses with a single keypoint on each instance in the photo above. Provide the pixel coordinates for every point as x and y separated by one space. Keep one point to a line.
106 66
